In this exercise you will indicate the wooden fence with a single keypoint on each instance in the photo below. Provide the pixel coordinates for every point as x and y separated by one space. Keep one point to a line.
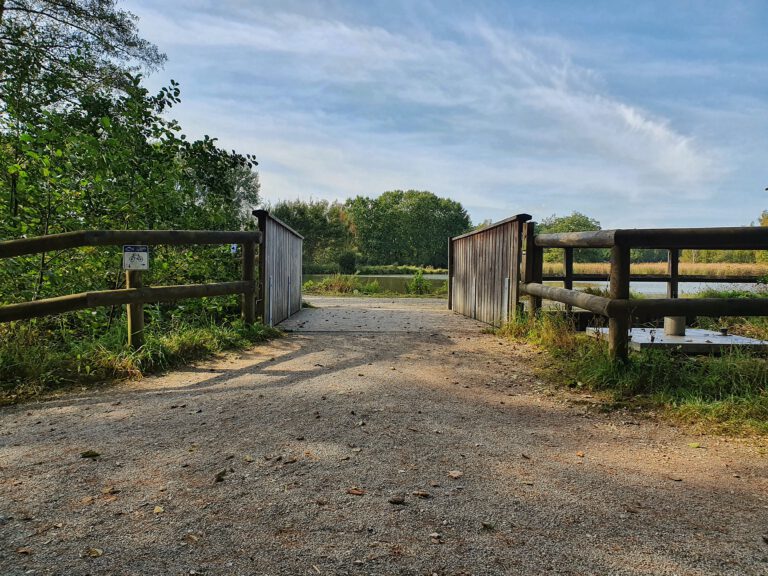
483 271
620 310
279 269
485 266
135 293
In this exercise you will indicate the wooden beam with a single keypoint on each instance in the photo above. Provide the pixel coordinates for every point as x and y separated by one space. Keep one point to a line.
673 269
61 304
619 324
135 311
597 304
248 303
53 242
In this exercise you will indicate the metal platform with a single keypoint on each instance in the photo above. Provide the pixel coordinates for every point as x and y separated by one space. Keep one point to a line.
695 341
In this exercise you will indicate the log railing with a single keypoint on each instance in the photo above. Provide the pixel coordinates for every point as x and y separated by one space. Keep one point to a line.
618 307
135 294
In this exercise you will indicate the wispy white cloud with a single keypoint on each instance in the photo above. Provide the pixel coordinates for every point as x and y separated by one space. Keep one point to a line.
487 115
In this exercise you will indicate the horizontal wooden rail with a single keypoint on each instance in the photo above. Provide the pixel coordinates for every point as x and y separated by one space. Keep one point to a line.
729 238
23 246
656 278
597 304
714 307
101 298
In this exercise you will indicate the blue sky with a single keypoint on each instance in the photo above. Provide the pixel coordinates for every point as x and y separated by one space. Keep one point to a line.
639 114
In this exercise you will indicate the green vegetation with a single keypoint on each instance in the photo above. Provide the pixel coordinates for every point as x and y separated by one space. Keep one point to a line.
83 146
395 269
727 393
353 285
40 356
410 227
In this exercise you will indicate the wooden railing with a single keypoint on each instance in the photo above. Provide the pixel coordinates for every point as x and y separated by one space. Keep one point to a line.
135 294
618 307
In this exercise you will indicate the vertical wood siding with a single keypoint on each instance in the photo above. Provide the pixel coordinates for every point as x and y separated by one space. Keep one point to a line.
280 269
481 272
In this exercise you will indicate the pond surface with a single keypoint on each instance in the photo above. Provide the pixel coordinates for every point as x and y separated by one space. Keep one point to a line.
397 282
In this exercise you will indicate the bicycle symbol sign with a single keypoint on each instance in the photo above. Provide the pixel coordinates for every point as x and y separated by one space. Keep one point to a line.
135 258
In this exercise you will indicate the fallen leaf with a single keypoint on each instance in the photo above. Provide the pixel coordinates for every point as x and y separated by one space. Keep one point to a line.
455 474
89 454
26 550
94 552
675 478
580 454
694 445
525 456
422 494
87 500
354 491
158 510
488 525
220 475
109 490
248 458
397 500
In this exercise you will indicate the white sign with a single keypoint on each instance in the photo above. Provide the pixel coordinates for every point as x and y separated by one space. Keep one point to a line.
135 258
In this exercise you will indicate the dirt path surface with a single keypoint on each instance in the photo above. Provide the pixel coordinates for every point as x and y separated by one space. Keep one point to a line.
379 437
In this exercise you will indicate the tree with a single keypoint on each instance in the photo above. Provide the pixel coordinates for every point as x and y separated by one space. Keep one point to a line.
410 227
576 222
324 226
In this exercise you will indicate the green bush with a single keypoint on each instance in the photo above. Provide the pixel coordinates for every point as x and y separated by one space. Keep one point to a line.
418 285
347 261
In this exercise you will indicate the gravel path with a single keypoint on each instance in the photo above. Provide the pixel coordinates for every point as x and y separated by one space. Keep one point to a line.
378 437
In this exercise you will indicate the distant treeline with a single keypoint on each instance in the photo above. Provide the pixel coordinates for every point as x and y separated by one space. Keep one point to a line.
412 229
578 222
398 227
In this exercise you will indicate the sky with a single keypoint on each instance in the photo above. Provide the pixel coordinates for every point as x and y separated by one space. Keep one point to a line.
638 114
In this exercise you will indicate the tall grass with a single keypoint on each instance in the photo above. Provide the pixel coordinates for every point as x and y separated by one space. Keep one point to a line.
341 284
727 393
687 268
40 356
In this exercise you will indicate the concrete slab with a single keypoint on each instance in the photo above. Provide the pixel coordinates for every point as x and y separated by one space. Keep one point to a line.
695 341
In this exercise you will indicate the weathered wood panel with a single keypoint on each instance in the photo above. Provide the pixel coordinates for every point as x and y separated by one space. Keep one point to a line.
279 269
481 270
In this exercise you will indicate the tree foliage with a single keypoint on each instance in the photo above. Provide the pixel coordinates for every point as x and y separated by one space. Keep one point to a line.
410 227
84 145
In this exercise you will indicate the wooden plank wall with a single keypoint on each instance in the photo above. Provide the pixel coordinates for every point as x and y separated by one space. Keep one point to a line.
482 272
280 269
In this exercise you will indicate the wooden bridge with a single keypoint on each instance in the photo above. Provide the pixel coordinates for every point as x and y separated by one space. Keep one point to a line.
491 268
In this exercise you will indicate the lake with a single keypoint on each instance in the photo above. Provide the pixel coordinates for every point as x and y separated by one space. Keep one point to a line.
397 282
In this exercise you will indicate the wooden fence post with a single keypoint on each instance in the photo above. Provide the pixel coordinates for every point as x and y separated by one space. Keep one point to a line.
135 312
620 324
248 302
261 217
517 254
673 261
568 272
533 265
450 273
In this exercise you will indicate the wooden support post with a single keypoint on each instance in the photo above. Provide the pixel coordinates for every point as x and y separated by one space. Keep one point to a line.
673 262
619 325
514 278
450 273
533 265
133 279
568 272
248 302
262 291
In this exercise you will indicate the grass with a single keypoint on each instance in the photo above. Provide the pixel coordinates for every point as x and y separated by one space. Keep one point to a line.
39 357
353 285
722 394
396 269
686 268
